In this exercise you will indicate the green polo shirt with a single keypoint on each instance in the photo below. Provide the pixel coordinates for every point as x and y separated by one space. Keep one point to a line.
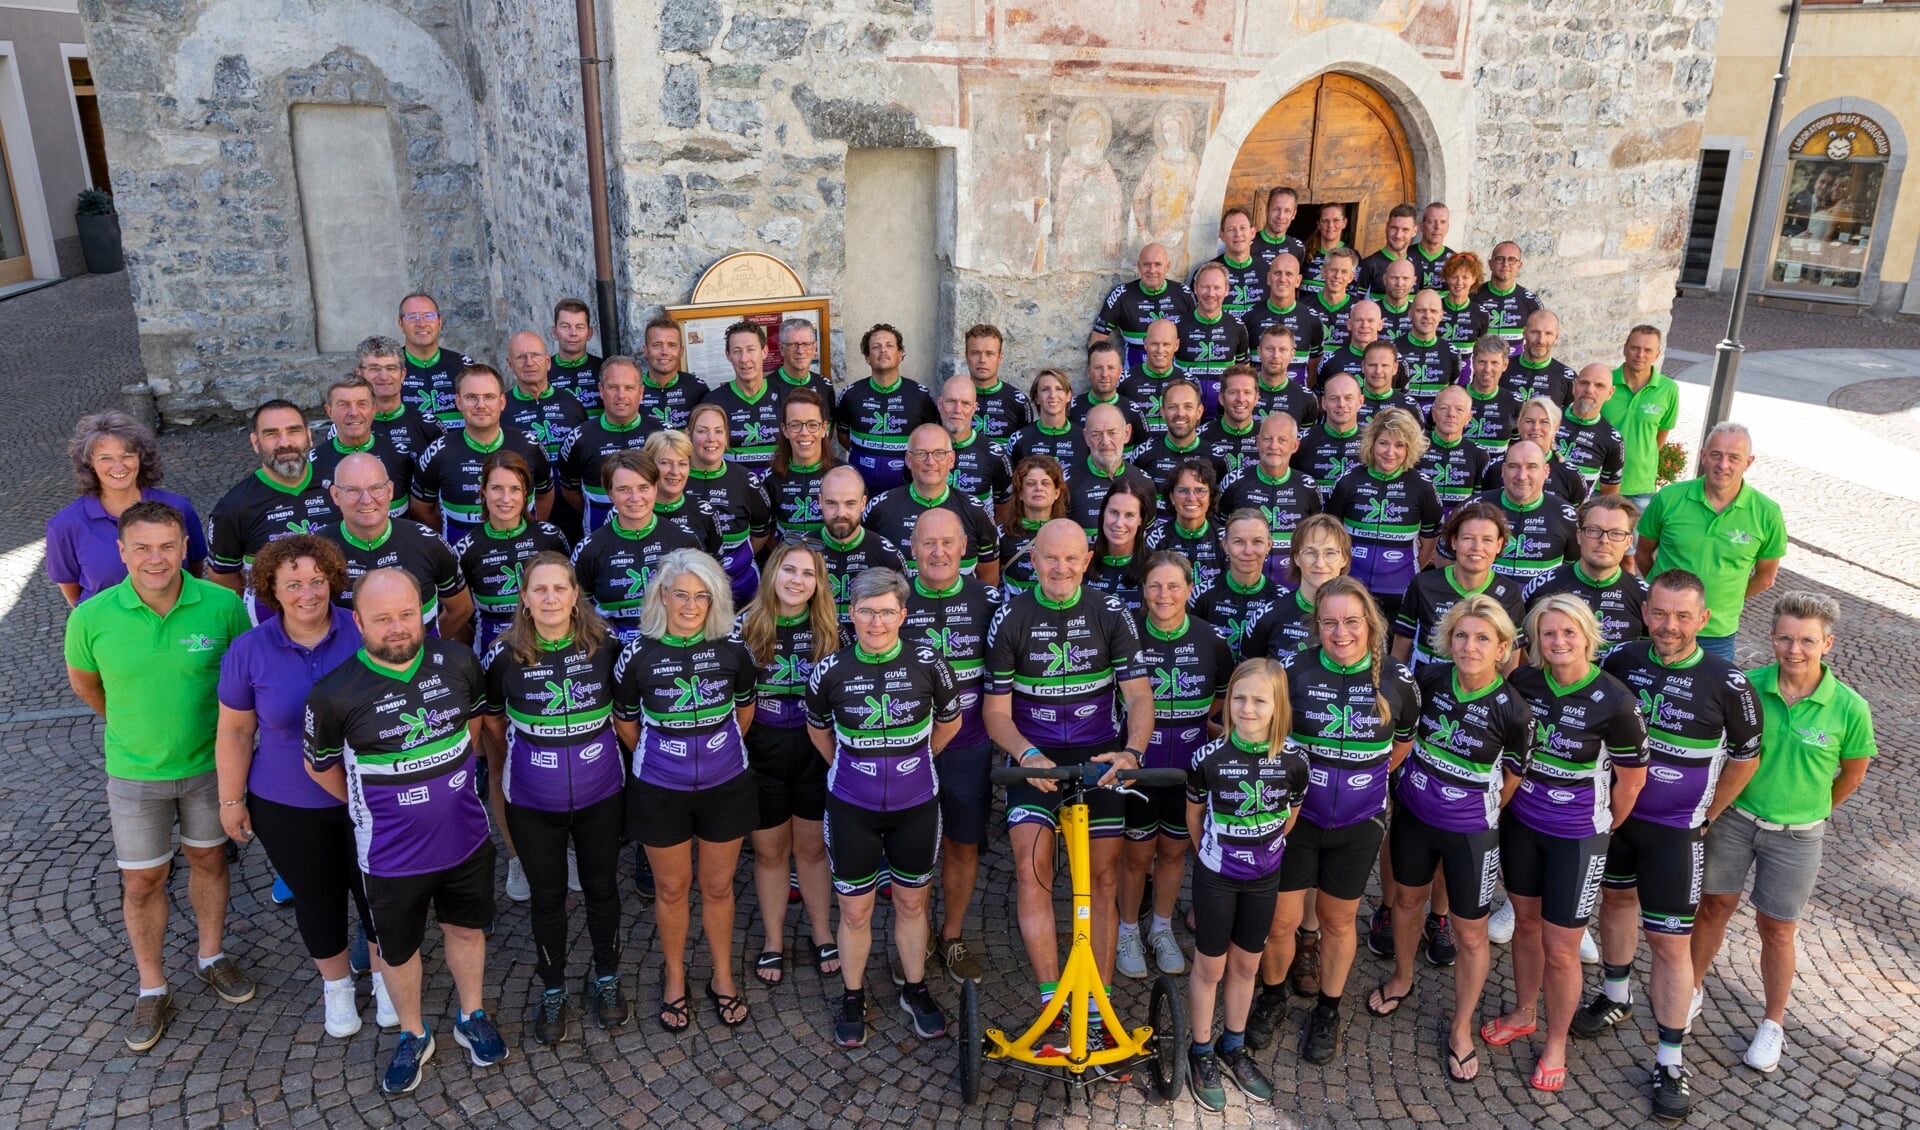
160 674
1721 549
1641 417
1802 746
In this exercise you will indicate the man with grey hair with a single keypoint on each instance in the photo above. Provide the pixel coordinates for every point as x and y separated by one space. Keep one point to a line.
349 406
1720 529
1816 740
1362 329
799 349
930 465
403 425
1106 433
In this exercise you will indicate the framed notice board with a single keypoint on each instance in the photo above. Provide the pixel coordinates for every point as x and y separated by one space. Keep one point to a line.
705 328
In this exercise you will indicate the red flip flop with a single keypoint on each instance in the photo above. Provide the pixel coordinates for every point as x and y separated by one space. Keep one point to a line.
1500 1035
1548 1078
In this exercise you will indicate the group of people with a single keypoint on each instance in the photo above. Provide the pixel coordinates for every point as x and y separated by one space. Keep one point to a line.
1338 536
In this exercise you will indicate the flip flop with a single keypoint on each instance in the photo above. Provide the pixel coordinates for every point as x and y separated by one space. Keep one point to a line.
723 1004
824 952
773 960
1548 1078
1388 1005
1499 1035
676 1009
1459 1061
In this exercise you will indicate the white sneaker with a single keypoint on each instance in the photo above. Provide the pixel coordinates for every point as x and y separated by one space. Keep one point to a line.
517 888
343 1010
1166 953
1693 1009
1768 1041
1130 958
383 1013
1589 949
573 872
1500 925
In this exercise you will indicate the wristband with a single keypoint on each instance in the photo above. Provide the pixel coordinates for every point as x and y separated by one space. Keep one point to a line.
1032 751
1137 755
233 803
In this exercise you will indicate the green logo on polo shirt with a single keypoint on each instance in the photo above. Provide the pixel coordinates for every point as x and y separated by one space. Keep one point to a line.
1819 738
1739 537
198 643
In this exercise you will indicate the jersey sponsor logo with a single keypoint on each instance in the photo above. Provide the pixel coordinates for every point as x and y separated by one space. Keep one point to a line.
718 739
1666 773
592 752
1317 777
1360 780
1065 658
545 759
755 434
1739 537
883 712
1814 737
199 642
563 696
1561 796
1342 722
507 580
908 765
1088 711
419 794
1451 793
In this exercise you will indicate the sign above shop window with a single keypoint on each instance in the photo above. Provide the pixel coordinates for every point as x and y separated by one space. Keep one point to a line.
1841 137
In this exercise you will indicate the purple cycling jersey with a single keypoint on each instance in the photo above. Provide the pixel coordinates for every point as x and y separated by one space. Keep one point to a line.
1063 663
1247 794
1337 724
780 688
561 752
954 624
1453 778
881 710
1387 518
1580 733
684 692
1189 667
1700 713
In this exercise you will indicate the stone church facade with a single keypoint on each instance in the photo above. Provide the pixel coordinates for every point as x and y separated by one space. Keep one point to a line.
932 163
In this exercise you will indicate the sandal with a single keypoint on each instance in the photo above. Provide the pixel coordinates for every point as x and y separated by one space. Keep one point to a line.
824 952
1457 1064
1499 1035
673 1014
770 960
1548 1078
1388 1005
723 1004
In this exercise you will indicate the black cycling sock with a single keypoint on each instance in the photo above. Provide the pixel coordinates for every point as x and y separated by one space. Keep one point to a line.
1329 1002
1616 972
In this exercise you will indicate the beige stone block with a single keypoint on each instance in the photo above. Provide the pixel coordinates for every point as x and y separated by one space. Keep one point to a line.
1580 243
1656 292
1673 143
1595 268
1638 237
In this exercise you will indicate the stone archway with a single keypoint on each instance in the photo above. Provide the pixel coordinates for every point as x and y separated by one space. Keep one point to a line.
1336 140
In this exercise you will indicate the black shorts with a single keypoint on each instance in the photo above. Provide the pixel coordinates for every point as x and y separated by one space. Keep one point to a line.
1334 861
461 895
1106 809
966 795
859 838
789 773
662 818
1162 813
1666 864
1469 860
1232 911
1563 872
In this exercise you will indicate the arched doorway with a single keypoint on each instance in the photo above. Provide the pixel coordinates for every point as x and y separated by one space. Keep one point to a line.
1338 141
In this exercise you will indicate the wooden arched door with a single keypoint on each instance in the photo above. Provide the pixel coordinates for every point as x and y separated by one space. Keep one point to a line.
1338 141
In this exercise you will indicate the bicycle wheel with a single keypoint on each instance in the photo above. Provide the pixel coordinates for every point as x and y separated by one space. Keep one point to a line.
1167 1049
969 1039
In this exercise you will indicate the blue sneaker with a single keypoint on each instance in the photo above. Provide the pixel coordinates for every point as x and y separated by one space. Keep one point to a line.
409 1060
282 894
358 959
481 1039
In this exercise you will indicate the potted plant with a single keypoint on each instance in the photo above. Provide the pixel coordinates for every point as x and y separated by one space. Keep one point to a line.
99 232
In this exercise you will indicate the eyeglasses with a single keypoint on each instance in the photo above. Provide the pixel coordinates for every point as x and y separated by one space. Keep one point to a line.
681 596
929 456
355 493
1807 643
883 615
806 427
811 541
414 319
1617 537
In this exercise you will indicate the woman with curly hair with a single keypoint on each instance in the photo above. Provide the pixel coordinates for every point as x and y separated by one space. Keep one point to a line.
116 463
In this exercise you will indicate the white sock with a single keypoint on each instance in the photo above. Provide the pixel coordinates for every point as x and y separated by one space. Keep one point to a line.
159 992
379 981
1160 924
207 962
343 983
1129 928
1619 992
1666 1056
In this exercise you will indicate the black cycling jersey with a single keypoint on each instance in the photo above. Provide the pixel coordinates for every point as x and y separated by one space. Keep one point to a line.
581 377
259 509
1561 479
1001 410
1326 456
407 429
1544 535
584 455
783 385
1283 502
1617 602
449 475
1395 398
428 385
494 563
1593 448
1233 609
1313 271
1160 457
1550 378
1115 577
1266 249
552 419
753 423
1461 326
1016 563
1494 416
1332 316
878 421
1427 268
1064 446
845 561
1232 451
1454 469
684 692
327 454
1372 277
1700 713
1285 629
1088 487
981 471
1133 408
1141 392
893 515
1201 547
562 755
1247 794
741 512
692 515
795 498
1395 323
1430 366
1063 663
1433 594
882 709
1189 668
780 688
1337 724
1346 359
1507 312
1580 733
1289 396
1309 333
1452 779
615 565
410 547
669 407
953 624
1246 284
1129 309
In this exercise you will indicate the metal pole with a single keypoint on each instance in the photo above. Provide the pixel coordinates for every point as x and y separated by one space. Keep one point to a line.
597 178
1726 361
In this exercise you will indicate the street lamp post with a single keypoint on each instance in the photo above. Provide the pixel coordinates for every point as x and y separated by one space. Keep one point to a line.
1726 360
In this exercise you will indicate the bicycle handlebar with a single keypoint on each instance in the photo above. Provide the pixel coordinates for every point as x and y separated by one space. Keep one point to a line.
1089 774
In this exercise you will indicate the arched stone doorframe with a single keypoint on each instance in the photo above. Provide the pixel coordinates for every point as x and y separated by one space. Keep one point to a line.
1433 112
1773 181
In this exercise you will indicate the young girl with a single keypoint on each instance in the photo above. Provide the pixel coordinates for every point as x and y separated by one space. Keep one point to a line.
1244 791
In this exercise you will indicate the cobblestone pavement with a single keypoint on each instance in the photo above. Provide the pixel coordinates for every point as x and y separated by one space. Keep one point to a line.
66 987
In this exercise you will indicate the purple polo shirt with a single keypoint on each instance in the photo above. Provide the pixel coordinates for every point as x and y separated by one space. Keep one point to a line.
266 672
83 541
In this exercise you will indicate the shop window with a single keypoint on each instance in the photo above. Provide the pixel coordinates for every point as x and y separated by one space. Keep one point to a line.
1829 215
